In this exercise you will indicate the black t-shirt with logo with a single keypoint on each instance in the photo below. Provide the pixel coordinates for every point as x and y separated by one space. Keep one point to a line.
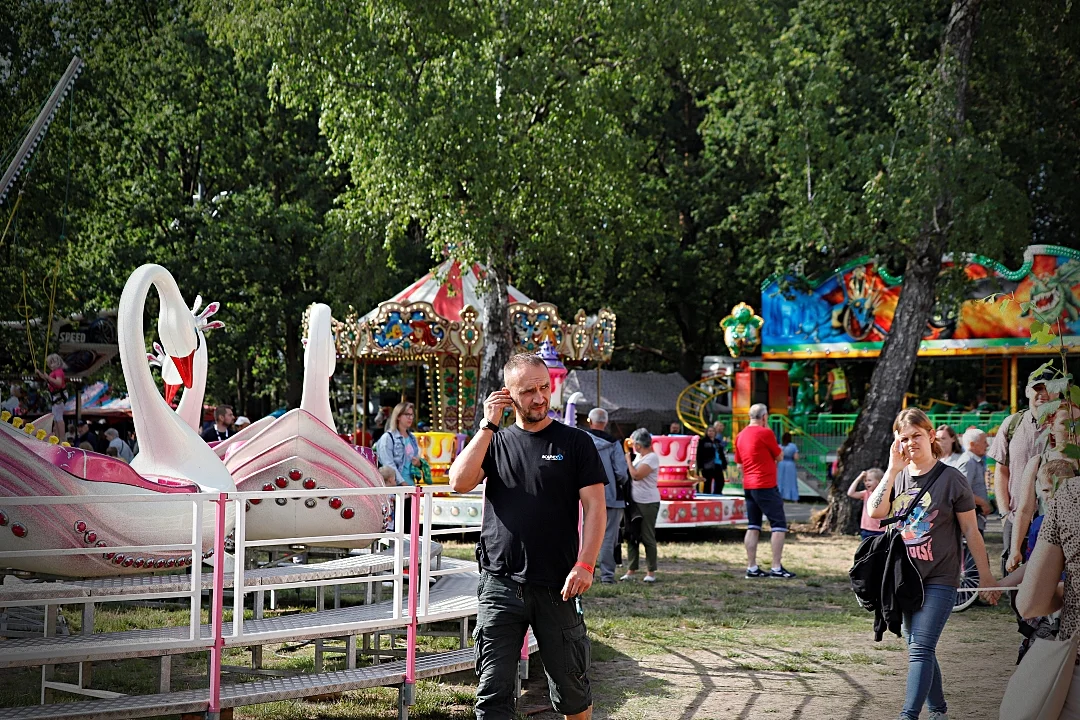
530 529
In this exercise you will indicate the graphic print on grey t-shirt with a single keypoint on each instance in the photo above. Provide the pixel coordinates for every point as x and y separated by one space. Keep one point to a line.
916 529
932 532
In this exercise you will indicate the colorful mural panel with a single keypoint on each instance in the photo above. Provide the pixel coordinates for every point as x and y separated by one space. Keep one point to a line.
408 330
849 313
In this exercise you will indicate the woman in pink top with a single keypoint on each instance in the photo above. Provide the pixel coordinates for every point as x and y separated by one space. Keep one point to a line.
57 387
870 478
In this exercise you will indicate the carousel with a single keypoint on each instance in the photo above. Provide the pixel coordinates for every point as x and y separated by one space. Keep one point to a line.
434 327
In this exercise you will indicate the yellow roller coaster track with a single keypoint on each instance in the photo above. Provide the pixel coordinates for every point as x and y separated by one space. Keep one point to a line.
693 402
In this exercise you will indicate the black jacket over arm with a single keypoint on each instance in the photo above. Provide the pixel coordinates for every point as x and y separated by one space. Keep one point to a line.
886 581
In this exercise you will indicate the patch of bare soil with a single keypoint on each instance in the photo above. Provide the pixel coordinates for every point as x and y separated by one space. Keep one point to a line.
845 675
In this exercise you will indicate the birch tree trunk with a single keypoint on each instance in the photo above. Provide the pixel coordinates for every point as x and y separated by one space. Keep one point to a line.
867 445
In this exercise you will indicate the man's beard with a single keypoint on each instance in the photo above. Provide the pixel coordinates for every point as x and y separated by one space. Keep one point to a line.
532 415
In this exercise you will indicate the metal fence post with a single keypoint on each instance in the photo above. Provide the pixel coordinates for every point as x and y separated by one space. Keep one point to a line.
414 587
217 608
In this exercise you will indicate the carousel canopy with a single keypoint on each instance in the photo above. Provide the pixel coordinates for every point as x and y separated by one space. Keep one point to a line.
435 321
448 289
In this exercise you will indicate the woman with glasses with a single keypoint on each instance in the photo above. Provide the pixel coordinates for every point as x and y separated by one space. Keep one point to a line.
397 448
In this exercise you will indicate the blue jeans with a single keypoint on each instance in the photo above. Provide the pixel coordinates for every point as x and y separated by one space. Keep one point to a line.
922 629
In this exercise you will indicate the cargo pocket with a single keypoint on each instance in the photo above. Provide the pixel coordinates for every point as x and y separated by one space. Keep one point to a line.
578 649
478 639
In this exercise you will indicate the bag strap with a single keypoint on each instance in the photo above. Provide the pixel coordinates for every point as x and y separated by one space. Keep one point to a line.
933 475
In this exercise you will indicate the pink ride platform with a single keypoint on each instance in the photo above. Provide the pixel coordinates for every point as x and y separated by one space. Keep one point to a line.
297 451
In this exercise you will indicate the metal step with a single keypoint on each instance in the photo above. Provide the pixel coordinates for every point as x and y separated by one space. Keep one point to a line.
451 597
252 693
353 565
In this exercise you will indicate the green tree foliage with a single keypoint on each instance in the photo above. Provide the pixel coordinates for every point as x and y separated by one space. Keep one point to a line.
678 270
496 128
655 157
180 158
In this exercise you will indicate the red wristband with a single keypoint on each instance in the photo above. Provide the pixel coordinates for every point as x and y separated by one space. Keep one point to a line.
587 567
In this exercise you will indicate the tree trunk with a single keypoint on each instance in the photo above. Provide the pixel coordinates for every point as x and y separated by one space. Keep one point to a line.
867 445
498 343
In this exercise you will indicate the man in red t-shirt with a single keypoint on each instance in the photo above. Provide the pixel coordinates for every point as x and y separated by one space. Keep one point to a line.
756 452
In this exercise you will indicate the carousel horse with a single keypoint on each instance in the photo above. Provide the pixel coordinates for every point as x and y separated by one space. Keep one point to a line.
191 402
301 450
173 460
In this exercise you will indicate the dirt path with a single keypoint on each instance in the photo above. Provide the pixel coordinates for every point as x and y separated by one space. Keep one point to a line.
852 676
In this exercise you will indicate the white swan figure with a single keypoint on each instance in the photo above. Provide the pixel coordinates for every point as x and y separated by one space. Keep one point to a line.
191 402
302 450
168 446
172 460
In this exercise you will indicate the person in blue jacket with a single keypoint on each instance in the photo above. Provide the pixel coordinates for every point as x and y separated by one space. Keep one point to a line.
614 461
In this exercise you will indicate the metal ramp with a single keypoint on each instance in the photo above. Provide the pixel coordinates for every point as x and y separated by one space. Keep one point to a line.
416 602
452 597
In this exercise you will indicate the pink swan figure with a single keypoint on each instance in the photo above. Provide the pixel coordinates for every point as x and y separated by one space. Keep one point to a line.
172 460
302 450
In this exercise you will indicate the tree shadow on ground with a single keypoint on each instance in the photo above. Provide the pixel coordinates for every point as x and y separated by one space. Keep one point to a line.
712 680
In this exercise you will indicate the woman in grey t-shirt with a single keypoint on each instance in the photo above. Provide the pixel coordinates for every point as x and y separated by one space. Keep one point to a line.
932 536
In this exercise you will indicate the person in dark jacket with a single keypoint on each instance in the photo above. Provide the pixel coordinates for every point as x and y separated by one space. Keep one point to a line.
931 533
711 462
611 455
886 582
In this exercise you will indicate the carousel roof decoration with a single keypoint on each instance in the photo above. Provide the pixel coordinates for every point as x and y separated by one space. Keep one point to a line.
438 314
436 321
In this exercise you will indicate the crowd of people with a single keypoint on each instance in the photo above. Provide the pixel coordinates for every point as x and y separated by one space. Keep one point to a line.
945 473
935 480
535 565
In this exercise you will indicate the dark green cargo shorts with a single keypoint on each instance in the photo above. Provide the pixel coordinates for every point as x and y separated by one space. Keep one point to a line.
506 609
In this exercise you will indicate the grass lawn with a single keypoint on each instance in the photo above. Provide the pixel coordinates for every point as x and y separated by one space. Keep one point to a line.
703 642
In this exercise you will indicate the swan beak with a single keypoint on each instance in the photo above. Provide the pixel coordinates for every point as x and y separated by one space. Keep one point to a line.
183 366
170 392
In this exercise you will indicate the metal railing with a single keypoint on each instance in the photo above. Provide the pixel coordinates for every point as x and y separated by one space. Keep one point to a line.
416 527
195 640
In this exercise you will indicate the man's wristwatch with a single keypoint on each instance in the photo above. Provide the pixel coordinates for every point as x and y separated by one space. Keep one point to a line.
486 424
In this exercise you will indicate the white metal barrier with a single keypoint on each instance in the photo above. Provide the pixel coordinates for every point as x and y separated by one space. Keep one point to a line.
411 576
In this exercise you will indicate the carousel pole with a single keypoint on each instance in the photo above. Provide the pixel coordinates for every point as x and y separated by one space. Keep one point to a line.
419 396
598 364
353 433
363 421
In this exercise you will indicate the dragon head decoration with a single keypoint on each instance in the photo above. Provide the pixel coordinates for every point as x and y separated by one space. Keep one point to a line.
1052 293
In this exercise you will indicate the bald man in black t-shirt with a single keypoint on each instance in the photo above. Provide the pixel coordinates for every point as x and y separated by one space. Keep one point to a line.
533 568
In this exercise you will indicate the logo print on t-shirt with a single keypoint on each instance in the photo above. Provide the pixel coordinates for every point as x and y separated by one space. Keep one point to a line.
916 529
551 457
